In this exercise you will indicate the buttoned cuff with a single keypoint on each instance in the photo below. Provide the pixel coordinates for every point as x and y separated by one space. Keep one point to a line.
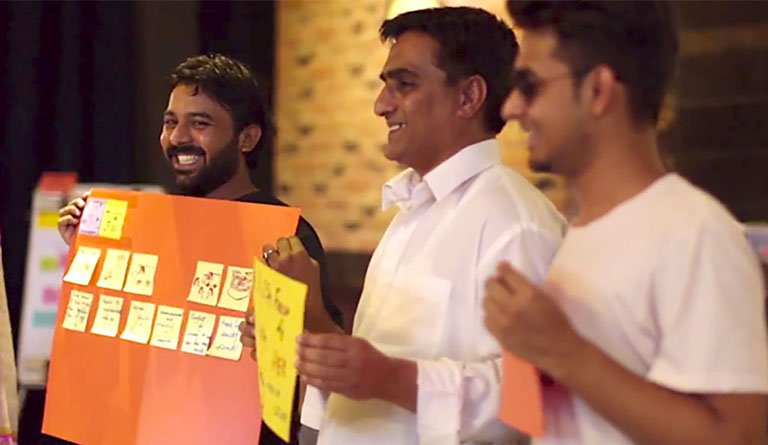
438 402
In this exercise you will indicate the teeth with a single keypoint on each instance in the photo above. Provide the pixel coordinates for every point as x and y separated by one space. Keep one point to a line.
396 127
187 159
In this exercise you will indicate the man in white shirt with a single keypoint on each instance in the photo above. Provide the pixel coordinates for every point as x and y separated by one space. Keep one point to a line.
420 367
651 321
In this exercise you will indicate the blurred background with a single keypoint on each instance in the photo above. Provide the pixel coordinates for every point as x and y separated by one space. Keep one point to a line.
84 86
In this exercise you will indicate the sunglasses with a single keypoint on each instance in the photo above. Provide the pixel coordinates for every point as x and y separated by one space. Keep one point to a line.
529 85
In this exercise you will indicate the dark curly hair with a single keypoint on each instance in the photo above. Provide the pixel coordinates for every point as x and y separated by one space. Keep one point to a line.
230 83
472 42
637 39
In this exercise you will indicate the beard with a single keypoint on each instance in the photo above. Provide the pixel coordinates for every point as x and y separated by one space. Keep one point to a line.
539 165
216 171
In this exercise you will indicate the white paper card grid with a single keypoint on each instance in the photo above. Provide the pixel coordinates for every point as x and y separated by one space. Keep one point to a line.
114 269
168 320
197 336
83 265
107 320
206 284
236 293
141 274
139 324
78 309
227 344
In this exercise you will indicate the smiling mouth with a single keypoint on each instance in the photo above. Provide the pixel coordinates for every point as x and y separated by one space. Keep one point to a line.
395 127
187 163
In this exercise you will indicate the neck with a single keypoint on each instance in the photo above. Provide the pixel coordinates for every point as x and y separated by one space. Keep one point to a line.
623 167
239 185
455 143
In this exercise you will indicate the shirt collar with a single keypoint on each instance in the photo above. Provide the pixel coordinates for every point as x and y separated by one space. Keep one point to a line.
407 189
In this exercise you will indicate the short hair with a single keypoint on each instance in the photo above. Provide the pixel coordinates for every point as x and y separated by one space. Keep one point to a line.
230 83
471 42
637 39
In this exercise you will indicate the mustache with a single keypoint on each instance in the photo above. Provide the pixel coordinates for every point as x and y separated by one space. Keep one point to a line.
186 149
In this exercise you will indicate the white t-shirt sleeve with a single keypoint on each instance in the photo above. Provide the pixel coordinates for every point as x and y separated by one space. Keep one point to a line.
710 312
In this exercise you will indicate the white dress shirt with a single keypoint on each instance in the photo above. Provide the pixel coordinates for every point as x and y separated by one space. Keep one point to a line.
422 300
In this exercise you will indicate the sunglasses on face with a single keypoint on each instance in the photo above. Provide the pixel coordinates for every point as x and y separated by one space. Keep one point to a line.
529 85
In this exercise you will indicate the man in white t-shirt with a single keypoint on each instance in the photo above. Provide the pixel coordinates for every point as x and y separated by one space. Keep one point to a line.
420 367
651 321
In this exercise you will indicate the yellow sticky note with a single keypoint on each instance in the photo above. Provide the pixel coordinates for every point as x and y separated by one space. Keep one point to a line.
206 284
227 344
236 292
78 309
83 265
139 323
48 220
278 305
107 320
113 218
141 274
167 328
197 337
114 269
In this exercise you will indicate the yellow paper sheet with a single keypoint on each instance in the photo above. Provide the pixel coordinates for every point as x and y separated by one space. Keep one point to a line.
83 265
197 336
113 218
167 328
139 323
78 309
206 284
114 269
278 304
226 343
107 320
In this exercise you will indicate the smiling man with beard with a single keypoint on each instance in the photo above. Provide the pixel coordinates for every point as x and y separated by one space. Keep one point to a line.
215 122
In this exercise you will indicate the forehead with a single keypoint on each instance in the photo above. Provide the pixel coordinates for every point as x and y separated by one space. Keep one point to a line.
414 50
537 51
189 98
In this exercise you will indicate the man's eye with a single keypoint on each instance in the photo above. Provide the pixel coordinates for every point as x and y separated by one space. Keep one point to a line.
200 124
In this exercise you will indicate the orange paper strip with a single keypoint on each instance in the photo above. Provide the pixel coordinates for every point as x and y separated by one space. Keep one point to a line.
521 404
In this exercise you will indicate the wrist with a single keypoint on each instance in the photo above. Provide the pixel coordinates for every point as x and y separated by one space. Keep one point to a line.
399 383
574 364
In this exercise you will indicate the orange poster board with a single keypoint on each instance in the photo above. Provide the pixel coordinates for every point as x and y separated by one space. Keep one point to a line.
105 390
521 403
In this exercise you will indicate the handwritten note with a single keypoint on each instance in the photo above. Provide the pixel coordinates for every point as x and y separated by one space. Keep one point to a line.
83 265
206 284
278 305
141 274
197 336
237 289
114 269
113 218
227 344
165 334
92 214
139 323
107 320
78 309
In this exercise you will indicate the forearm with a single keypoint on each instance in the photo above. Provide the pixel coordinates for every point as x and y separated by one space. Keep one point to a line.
651 414
451 398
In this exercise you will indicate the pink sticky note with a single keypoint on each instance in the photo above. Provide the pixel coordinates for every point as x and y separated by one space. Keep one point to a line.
91 219
50 296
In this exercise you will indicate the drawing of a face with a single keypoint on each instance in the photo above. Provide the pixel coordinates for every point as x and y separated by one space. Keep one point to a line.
241 281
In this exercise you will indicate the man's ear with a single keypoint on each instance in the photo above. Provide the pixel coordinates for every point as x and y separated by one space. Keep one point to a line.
472 94
249 138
